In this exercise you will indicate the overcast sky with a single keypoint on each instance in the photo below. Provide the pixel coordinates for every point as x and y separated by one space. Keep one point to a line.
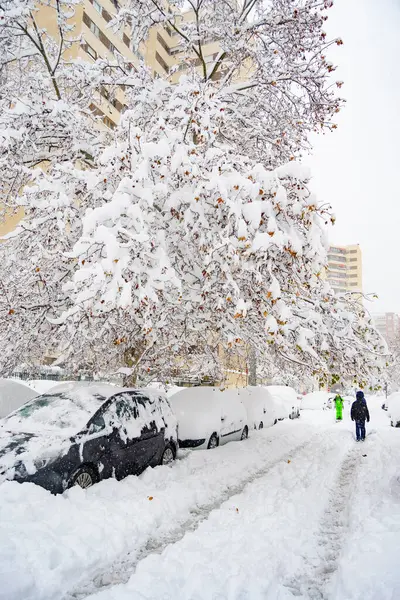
356 168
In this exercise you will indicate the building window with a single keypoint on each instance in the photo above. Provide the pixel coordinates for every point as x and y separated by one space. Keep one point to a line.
126 40
112 48
353 284
353 268
162 62
109 123
94 29
97 6
163 43
89 50
352 251
334 250
353 259
106 16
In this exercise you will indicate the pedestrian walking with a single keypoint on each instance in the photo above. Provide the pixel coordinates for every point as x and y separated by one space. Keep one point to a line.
360 413
339 407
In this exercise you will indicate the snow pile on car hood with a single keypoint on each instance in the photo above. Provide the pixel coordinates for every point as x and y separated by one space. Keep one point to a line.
13 394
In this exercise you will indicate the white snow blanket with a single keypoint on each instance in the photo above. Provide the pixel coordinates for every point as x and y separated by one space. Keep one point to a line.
13 394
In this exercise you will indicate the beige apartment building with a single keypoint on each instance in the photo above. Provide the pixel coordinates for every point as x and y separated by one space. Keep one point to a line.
345 268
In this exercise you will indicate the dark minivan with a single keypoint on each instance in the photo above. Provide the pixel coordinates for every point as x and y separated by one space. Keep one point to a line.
86 434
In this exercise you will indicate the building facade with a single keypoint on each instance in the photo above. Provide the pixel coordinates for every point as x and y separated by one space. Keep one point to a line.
345 268
388 325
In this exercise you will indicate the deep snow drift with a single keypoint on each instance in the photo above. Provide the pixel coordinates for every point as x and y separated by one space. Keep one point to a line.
299 510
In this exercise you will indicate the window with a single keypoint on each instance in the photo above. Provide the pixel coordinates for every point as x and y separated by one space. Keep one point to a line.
109 123
353 260
89 50
162 62
163 43
333 250
175 50
106 16
97 6
353 268
353 275
94 29
353 284
112 48
352 252
126 40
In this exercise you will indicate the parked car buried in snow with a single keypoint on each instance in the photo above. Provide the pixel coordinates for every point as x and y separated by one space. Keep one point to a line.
288 397
87 434
208 417
263 410
393 407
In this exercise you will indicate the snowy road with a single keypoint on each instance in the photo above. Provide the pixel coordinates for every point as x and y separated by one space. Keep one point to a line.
297 511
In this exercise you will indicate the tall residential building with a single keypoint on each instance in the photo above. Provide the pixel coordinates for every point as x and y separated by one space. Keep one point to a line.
345 268
388 324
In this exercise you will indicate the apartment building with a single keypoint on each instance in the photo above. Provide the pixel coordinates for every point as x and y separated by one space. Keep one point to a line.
388 325
345 268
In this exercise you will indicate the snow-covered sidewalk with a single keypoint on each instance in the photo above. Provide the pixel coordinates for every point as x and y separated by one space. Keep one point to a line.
323 526
51 546
297 511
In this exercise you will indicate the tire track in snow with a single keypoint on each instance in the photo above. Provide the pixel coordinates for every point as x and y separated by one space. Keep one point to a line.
121 571
319 570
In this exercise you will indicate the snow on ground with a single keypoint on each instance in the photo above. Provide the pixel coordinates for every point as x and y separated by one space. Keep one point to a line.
297 511
323 526
50 545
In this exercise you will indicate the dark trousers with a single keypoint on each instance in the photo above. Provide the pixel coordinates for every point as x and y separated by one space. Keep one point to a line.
360 430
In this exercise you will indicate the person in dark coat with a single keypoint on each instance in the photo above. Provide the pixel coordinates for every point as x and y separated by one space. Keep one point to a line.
360 413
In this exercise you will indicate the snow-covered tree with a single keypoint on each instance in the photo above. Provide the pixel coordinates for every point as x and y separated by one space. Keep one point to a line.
181 233
271 69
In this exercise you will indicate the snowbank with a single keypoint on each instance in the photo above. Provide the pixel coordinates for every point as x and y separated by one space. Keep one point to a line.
49 545
13 394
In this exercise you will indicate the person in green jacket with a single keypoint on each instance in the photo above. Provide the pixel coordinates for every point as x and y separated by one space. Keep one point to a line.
339 407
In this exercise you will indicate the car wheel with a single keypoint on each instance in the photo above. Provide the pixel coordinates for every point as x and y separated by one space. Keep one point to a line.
261 425
245 433
168 456
213 442
84 477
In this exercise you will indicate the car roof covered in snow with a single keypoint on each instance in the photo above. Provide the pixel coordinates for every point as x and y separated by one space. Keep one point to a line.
67 410
13 394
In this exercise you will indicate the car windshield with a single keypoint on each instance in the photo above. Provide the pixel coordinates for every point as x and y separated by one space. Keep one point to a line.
62 411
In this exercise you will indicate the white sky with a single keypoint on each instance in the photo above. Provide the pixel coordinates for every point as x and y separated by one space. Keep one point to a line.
356 168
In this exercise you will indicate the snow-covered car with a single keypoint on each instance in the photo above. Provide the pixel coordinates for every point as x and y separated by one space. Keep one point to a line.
263 410
87 434
13 394
317 401
288 397
393 404
208 417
